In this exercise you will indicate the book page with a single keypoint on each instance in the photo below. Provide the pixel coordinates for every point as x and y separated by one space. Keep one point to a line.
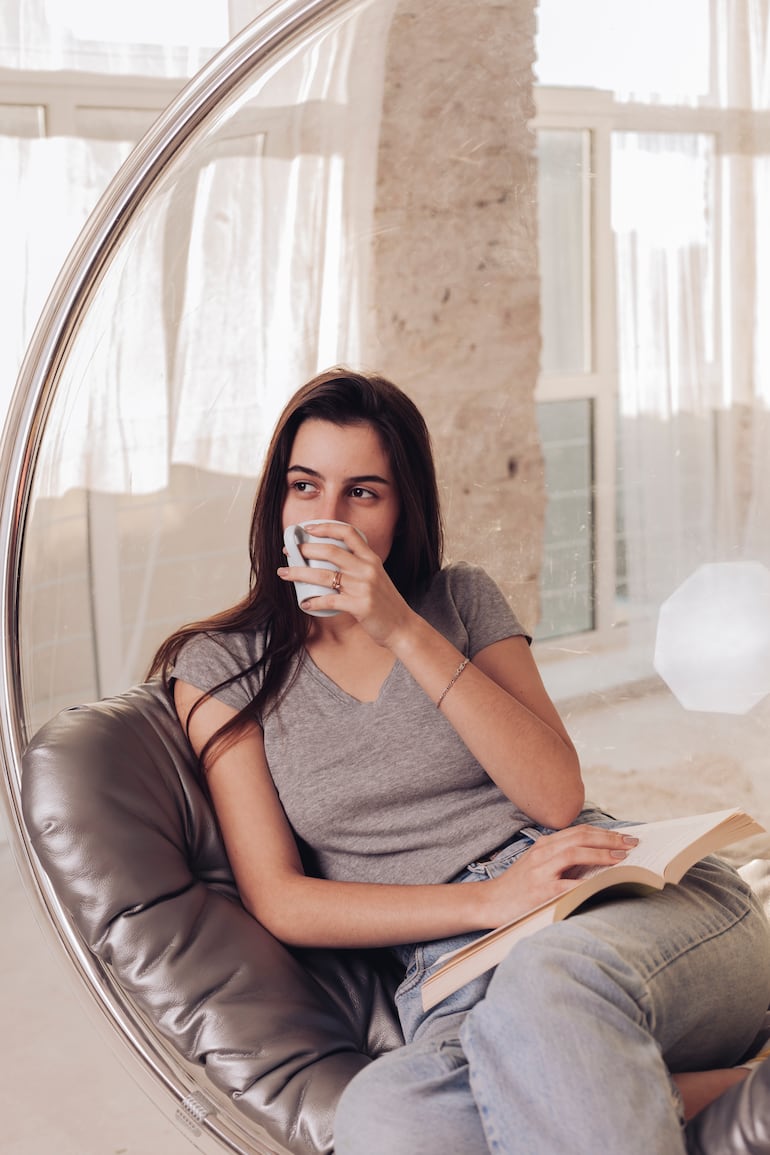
659 842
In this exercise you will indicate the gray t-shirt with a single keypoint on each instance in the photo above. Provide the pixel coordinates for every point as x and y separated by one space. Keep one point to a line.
381 791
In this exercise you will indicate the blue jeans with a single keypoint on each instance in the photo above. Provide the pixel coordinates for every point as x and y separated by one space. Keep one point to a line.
567 1046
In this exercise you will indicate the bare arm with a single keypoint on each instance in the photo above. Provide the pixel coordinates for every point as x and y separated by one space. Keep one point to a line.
499 706
501 710
307 911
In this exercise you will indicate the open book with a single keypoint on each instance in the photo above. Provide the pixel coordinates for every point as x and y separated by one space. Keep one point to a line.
666 850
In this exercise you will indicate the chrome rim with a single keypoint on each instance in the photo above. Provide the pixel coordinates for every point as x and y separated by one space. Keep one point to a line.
208 1122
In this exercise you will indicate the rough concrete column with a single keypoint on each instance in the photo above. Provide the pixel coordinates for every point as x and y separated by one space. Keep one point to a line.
455 292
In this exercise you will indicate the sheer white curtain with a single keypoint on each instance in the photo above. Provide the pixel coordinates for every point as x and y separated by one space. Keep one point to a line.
244 276
50 183
47 188
245 272
692 260
742 33
669 383
278 256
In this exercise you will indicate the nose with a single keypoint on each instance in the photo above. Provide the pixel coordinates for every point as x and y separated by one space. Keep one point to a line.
331 508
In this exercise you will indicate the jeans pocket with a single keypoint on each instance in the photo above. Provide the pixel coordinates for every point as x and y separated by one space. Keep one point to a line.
501 860
414 974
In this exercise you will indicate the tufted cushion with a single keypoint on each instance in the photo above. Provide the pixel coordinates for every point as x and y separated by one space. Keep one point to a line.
128 839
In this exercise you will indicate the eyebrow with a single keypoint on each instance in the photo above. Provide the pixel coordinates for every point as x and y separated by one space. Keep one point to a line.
365 477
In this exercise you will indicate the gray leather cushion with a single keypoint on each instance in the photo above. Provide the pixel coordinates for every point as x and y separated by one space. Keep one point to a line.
738 1122
124 831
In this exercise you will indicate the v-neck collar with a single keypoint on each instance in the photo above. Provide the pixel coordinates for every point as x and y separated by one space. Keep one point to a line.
307 663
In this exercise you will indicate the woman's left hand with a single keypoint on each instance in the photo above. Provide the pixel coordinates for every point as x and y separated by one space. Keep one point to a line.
364 589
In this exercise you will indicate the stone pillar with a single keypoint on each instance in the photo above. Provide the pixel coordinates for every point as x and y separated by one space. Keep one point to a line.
455 283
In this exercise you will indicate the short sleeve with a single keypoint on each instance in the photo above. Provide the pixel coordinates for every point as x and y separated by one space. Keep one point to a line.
220 663
469 608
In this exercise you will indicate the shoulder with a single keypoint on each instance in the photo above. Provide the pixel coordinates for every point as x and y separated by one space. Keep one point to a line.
223 663
237 649
461 578
464 585
464 595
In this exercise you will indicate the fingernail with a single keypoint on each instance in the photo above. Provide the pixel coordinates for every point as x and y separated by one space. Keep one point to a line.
630 840
619 853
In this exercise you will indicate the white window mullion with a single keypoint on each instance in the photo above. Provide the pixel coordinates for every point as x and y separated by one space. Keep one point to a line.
599 382
105 591
604 313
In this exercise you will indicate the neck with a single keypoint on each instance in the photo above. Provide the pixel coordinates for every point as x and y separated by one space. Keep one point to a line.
339 629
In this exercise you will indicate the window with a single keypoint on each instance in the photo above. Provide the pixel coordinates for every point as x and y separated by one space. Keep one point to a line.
652 163
567 593
80 83
566 423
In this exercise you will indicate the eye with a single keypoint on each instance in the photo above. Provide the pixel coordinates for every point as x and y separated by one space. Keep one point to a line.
302 486
361 491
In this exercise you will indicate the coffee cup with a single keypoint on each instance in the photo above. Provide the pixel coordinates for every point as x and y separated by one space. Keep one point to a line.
296 535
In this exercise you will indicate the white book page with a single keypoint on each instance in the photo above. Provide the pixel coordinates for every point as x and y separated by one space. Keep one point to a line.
660 841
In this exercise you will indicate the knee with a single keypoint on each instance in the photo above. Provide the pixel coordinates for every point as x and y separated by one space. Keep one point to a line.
540 967
370 1117
557 967
414 1100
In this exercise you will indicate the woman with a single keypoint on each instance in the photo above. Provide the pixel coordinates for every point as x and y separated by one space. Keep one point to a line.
364 766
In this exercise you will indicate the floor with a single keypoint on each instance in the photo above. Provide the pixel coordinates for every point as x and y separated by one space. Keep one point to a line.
645 757
65 1088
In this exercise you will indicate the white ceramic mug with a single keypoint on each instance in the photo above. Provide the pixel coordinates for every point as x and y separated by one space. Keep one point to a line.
296 535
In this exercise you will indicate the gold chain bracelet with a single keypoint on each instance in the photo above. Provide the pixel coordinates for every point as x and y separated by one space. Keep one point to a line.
452 681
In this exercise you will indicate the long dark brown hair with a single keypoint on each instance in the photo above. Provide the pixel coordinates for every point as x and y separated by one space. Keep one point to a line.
343 398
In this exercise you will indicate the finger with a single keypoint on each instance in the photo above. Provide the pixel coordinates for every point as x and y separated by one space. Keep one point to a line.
312 575
587 846
562 854
577 865
330 601
587 835
319 603
327 528
335 555
340 531
595 856
293 573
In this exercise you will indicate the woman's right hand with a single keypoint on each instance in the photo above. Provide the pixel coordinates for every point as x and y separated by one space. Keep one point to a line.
543 871
364 590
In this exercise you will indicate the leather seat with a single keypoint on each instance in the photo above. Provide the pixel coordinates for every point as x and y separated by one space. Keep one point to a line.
738 1122
123 828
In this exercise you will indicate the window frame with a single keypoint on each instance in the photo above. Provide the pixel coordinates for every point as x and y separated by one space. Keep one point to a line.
63 96
736 132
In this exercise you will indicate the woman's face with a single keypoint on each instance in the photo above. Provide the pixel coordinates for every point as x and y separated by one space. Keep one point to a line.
342 473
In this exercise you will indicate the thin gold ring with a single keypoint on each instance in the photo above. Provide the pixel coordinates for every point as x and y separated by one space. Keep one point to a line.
337 581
